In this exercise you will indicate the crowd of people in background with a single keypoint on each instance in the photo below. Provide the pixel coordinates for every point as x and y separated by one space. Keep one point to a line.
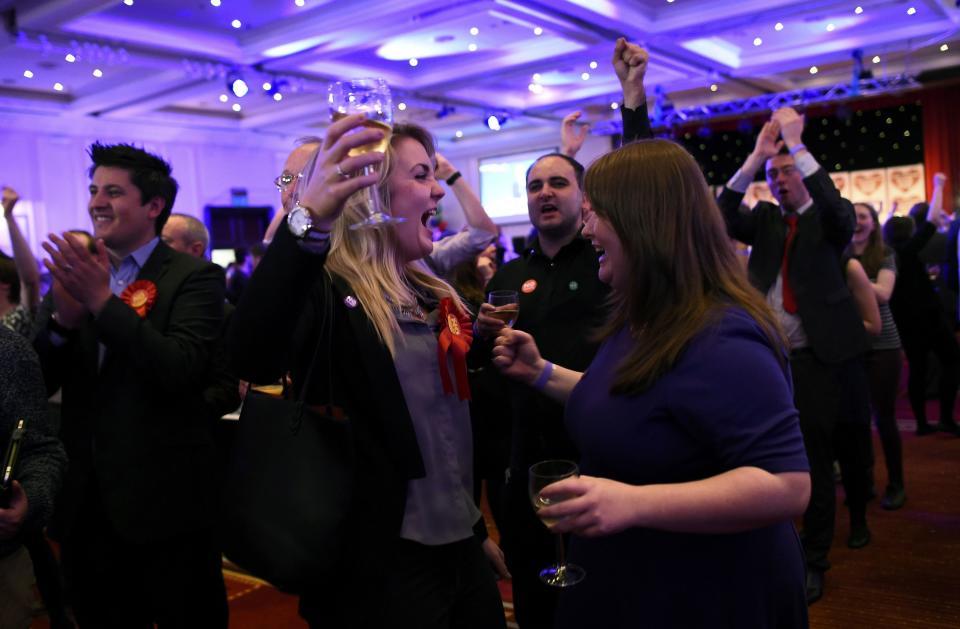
706 404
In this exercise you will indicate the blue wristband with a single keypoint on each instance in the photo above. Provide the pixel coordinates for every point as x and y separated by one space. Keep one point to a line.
544 376
796 149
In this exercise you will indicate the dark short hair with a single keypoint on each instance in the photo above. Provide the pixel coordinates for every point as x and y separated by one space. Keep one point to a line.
578 169
148 172
9 275
898 230
919 211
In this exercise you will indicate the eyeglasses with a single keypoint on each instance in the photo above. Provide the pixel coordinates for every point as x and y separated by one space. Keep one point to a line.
283 181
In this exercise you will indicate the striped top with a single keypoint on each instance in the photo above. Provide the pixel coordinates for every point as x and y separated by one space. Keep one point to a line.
888 337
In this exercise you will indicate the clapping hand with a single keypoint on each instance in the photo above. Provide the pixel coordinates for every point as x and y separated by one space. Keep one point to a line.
85 277
791 125
572 134
768 142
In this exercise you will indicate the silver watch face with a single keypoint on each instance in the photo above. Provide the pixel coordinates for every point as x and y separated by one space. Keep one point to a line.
299 221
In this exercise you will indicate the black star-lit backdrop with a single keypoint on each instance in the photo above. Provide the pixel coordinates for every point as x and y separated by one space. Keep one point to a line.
842 137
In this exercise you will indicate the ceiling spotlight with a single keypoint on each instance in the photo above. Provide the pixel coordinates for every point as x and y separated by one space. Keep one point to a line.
876 59
58 87
299 3
496 121
538 31
757 41
474 31
944 48
536 77
236 107
714 87
614 105
215 3
472 48
236 23
536 88
28 74
277 96
97 72
778 26
414 62
911 11
459 133
814 69
237 85
129 3
593 65
69 58
402 106
267 86
585 76
224 98
831 28
858 10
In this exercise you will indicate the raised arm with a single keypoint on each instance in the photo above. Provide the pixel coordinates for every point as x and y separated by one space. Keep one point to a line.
572 134
740 220
630 63
935 213
27 268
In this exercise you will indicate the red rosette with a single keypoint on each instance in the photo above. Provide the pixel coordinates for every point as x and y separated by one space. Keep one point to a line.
456 335
141 295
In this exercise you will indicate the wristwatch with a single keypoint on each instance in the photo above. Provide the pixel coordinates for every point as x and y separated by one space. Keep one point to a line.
299 221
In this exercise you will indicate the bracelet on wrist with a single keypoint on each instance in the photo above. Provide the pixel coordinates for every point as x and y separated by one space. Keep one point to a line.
452 179
544 376
797 148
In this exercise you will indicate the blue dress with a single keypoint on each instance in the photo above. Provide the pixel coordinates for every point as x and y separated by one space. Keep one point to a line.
726 403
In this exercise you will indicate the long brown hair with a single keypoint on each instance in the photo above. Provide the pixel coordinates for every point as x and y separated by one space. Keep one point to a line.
684 266
875 251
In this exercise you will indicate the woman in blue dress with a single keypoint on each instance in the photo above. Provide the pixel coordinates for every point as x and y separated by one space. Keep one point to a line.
693 466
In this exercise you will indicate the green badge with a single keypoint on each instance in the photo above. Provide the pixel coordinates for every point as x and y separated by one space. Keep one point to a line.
574 285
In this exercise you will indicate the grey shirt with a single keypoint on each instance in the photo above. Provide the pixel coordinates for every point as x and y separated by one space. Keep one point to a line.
440 507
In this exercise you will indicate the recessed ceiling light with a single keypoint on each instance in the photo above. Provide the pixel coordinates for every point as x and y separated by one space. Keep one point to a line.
911 11
538 31
97 72
129 3
593 65
585 76
536 88
69 58
714 87
28 74
215 3
266 86
814 69
236 107
778 26
614 105
402 106
858 10
224 98
459 133
299 3
757 41
944 48
58 87
236 23
831 28
876 59
472 48
474 31
277 96
414 62
536 77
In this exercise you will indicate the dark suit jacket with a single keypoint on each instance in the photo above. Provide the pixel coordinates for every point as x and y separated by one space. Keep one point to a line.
826 308
277 327
136 422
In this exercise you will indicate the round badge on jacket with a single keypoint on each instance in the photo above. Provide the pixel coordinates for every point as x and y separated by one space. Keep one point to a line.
529 286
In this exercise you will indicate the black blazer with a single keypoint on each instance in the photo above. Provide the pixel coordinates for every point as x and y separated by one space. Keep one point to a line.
277 328
826 308
136 422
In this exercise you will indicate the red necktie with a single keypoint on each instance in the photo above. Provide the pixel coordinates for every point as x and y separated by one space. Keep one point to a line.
789 301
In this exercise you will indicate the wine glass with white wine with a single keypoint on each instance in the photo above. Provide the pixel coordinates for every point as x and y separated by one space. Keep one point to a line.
370 97
561 574
506 306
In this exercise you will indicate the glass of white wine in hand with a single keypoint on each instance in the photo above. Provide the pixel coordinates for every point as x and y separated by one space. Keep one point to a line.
370 97
506 306
561 574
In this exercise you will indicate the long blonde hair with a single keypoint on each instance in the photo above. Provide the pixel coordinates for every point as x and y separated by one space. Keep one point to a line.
368 259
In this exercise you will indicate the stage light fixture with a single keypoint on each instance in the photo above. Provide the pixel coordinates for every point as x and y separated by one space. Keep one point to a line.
496 121
237 85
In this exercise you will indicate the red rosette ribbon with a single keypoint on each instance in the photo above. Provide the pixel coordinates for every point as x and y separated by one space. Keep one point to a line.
141 295
456 335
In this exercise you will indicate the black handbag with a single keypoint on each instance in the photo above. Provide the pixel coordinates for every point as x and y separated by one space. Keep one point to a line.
288 487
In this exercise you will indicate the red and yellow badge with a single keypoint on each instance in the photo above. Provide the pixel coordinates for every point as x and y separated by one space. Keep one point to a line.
456 335
141 295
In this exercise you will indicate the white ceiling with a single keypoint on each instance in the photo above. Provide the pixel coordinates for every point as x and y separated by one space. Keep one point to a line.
166 62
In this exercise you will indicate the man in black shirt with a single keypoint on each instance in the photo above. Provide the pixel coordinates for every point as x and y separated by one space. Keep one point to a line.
561 302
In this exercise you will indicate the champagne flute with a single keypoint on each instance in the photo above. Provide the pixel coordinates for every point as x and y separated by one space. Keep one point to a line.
561 574
506 305
370 97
